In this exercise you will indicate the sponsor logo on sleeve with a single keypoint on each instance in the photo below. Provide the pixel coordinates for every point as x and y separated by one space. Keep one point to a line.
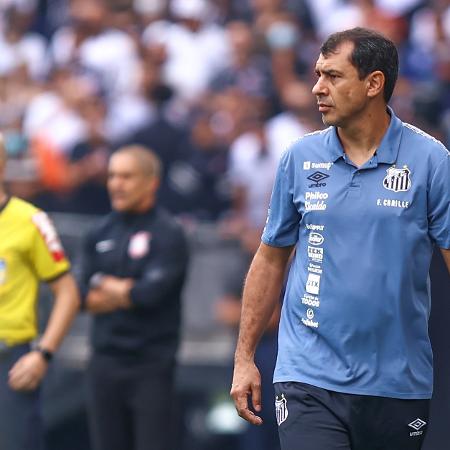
314 268
309 322
313 284
49 234
313 227
315 238
311 300
315 254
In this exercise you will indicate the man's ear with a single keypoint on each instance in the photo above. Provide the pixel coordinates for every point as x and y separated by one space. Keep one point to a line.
375 83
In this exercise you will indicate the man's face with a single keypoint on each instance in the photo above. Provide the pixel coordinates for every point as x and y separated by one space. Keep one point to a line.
340 94
130 189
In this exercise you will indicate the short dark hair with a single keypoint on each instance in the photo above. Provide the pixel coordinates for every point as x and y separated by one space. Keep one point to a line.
372 51
149 162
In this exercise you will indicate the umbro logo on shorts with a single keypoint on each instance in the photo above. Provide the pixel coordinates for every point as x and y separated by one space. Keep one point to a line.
416 425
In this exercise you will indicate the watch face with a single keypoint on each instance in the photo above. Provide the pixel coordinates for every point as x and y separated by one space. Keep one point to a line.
46 354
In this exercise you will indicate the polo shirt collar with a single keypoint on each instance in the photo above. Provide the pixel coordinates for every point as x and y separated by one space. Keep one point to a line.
387 152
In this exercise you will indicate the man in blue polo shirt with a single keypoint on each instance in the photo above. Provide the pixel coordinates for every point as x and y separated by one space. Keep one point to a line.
363 202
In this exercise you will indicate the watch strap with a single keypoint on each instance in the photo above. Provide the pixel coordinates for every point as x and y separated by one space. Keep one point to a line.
46 354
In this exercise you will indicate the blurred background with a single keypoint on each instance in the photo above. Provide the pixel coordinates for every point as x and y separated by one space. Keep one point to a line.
217 89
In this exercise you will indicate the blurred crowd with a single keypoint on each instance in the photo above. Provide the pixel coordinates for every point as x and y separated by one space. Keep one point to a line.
216 88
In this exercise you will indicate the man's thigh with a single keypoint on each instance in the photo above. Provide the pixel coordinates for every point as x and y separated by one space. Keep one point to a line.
20 420
382 423
109 422
305 422
313 418
151 402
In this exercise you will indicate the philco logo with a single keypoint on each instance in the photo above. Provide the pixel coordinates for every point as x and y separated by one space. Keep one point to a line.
315 238
397 180
318 177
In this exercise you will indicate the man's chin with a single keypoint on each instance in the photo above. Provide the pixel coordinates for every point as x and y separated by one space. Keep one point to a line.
119 206
328 121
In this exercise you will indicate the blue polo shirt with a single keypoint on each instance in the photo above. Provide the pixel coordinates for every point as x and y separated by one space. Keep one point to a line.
357 301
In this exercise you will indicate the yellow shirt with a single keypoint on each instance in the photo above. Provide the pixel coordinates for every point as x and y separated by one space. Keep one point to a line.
30 251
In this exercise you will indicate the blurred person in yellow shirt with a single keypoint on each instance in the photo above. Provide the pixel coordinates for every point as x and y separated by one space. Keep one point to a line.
30 252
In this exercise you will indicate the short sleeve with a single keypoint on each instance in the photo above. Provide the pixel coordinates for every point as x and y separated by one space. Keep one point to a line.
283 218
438 204
46 252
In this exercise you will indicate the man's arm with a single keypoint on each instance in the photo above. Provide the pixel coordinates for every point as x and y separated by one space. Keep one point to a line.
165 270
29 370
446 254
261 293
109 294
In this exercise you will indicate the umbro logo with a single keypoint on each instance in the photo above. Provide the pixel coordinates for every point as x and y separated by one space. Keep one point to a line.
416 425
318 177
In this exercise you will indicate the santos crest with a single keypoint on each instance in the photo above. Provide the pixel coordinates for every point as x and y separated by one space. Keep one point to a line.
397 180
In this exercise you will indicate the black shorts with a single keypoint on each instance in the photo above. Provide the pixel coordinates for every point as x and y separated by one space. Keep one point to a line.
312 418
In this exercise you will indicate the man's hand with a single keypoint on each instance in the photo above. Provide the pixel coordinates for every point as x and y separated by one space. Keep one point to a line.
27 372
117 289
110 294
247 383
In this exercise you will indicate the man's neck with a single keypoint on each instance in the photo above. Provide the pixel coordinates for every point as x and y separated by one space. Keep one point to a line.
361 140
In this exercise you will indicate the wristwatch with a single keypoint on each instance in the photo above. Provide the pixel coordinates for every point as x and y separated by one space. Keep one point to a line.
46 354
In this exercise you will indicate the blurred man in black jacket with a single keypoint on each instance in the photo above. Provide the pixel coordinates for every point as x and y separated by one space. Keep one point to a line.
134 266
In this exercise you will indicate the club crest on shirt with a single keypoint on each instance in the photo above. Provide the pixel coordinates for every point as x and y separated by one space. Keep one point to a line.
2 271
397 180
281 409
139 244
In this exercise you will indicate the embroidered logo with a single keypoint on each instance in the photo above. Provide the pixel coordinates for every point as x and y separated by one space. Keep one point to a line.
105 246
281 409
397 180
317 177
139 244
416 425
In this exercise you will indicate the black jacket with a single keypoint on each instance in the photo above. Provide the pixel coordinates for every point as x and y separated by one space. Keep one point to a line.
152 249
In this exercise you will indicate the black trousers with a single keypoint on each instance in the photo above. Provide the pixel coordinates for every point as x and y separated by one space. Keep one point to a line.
20 420
312 418
129 404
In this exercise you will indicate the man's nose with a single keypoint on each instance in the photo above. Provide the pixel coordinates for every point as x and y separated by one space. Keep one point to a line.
319 88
